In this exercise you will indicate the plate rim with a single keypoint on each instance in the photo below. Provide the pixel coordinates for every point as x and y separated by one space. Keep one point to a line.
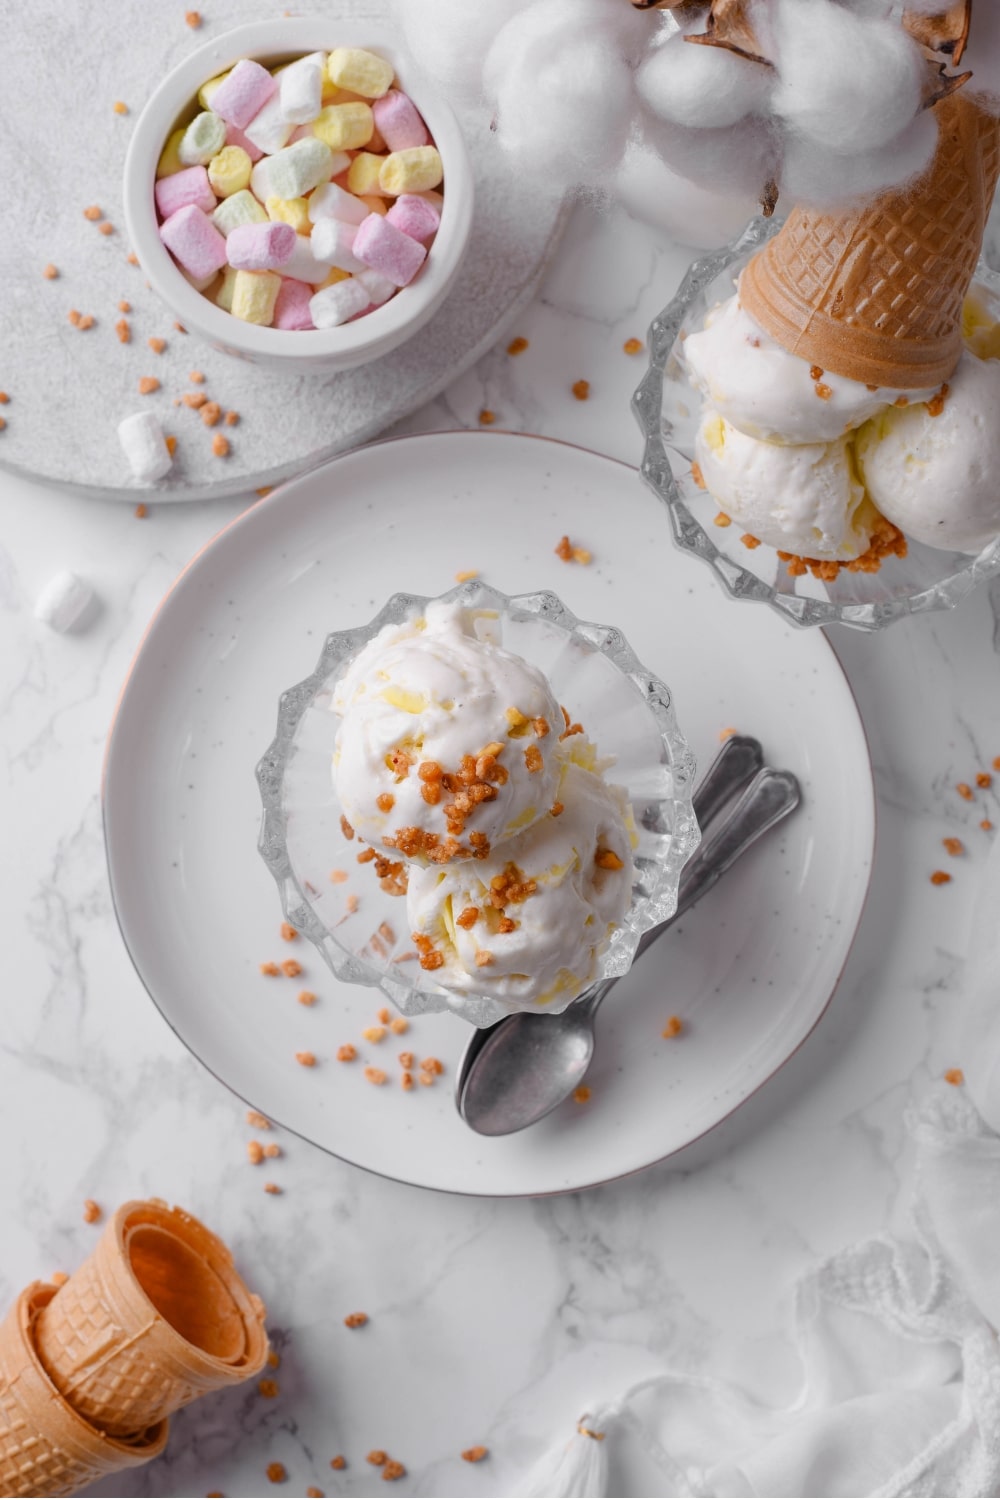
276 498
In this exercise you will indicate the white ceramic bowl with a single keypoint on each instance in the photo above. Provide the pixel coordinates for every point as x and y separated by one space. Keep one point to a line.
310 350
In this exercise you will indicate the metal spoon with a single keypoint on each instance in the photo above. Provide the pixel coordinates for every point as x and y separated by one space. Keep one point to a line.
519 1070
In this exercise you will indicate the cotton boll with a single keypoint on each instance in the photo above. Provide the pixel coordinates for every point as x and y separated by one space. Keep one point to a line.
702 86
843 80
826 179
732 159
449 39
686 212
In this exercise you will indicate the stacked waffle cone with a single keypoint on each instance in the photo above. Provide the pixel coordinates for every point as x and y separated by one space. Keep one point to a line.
91 1372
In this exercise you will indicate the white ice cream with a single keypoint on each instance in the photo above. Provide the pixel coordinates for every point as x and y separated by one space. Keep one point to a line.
576 868
805 499
938 477
430 693
766 392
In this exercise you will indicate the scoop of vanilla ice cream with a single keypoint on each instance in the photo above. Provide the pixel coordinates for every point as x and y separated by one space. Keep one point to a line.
564 884
447 743
804 499
937 477
766 392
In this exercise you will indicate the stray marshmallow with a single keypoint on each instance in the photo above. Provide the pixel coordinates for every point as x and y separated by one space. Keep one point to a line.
145 447
388 250
65 601
338 304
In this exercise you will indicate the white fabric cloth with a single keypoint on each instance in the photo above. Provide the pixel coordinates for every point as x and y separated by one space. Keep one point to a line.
901 1364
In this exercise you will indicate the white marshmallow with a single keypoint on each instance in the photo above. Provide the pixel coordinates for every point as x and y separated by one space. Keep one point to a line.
332 243
302 264
65 601
144 445
332 202
338 304
378 287
301 91
293 172
269 130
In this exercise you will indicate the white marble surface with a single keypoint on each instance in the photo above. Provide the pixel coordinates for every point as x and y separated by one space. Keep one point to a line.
491 1322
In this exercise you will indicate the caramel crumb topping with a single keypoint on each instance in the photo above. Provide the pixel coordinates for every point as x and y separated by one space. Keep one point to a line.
478 1453
940 877
507 924
954 846
91 1211
517 346
815 372
630 346
984 779
935 406
607 859
556 809
541 726
901 401
306 1059
533 759
276 1473
483 958
468 918
356 1320
288 932
750 542
366 855
466 574
721 520
886 541
581 389
673 1028
385 802
698 476
347 1053
822 390
964 790
376 1076
954 1076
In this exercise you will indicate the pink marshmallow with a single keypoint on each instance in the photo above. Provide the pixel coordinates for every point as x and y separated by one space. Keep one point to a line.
235 137
246 90
183 188
388 250
291 310
260 247
397 121
194 241
414 217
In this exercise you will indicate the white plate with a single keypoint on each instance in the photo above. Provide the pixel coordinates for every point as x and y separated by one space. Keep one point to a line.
750 971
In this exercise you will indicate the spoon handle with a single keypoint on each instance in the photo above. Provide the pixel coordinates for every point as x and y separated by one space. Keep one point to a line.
740 758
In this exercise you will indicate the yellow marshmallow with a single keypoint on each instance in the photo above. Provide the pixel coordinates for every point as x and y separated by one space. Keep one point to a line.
170 161
362 72
411 171
229 172
344 127
362 177
294 211
254 296
374 205
333 276
208 89
224 296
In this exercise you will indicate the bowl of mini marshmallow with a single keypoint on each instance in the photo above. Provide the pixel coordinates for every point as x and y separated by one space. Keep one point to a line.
299 195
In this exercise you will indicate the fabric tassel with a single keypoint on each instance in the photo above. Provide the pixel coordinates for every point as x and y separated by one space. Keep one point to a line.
580 1467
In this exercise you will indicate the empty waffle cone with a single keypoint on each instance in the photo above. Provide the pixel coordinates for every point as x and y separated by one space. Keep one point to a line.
46 1448
875 293
156 1317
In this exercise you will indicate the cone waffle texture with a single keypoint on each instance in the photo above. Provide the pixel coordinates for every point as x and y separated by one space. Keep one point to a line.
875 293
46 1448
155 1318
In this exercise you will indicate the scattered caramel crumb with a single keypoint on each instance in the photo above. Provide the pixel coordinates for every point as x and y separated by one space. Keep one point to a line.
254 1117
750 542
268 1388
232 418
347 1053
194 399
433 1065
721 519
272 1188
192 18
270 969
375 1034
406 1060
123 331
698 476
815 372
276 1473
50 272
986 825
220 446
727 733
265 489
291 967
92 213
406 1081
468 917
581 389
105 228
157 345
375 1076
91 1211
393 1470
564 549
385 802
964 790
271 1150
518 345
378 1457
132 258
984 779
255 1153
673 1028
940 877
630 346
351 905
306 1059
533 759
141 512
84 322
288 932
557 808
607 859
478 1453
346 828
398 1025
358 1320
426 1078
483 958
339 1462
211 411
337 877
581 1094
59 1278
487 417
582 556
901 401
996 763
466 575
148 384
306 997
822 390
313 1492
954 846
954 1076
935 406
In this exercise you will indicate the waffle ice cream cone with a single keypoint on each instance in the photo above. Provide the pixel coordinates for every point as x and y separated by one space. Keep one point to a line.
156 1317
46 1448
875 293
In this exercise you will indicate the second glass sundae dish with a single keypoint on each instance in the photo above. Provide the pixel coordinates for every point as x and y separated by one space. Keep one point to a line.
477 803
